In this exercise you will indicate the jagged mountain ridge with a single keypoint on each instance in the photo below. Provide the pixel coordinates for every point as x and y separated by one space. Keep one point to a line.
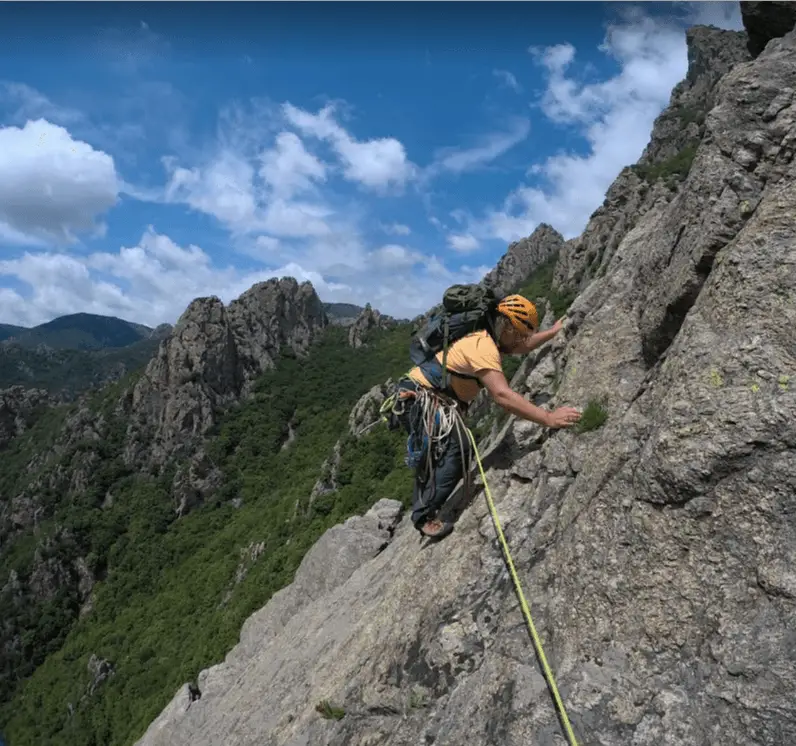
674 522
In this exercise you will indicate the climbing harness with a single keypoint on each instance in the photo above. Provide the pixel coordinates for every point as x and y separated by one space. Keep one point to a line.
551 683
435 418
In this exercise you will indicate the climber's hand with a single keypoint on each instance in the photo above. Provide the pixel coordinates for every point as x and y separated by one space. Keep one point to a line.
557 327
563 417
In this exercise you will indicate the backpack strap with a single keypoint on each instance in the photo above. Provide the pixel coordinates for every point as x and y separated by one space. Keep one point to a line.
438 374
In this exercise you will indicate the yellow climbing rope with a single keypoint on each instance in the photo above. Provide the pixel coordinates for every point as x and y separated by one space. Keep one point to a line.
551 682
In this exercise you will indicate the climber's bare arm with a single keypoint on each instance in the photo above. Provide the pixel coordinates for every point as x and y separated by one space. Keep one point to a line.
538 339
502 394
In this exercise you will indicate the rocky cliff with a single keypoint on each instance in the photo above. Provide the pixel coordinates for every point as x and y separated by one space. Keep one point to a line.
767 21
522 258
18 406
367 321
211 359
656 546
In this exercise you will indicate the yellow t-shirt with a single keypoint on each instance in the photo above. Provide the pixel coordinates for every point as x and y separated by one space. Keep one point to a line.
471 354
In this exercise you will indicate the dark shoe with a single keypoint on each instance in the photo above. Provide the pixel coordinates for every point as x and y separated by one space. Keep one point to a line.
435 529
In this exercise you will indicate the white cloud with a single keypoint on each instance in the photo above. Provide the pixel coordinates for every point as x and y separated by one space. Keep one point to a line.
52 187
614 116
726 15
156 279
463 242
492 146
288 168
223 188
508 79
150 282
396 229
376 164
28 103
226 188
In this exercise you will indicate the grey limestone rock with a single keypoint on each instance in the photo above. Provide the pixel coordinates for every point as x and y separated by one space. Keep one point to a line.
655 551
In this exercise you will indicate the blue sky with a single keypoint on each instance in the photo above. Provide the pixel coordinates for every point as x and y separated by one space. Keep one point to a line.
153 153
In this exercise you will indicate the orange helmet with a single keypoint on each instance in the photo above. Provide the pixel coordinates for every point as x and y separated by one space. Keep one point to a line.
520 312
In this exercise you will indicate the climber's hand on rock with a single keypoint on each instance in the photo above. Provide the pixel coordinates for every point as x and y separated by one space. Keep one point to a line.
563 417
557 327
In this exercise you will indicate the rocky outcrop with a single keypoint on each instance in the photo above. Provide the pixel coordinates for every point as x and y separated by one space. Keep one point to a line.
766 21
522 258
100 671
18 407
656 551
330 468
211 359
342 314
664 163
366 411
367 321
334 559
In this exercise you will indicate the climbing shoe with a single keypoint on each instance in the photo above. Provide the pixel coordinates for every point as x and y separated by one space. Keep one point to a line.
435 528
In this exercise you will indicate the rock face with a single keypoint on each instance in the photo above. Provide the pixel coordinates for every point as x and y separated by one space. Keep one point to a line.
211 359
366 411
342 314
664 162
523 257
367 321
657 552
18 406
766 21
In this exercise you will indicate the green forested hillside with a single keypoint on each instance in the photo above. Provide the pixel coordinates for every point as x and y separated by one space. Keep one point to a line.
169 605
9 330
69 372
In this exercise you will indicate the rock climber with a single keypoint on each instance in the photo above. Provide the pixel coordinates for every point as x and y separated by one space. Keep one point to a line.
473 361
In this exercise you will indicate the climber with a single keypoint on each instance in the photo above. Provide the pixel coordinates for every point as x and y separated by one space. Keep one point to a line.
473 361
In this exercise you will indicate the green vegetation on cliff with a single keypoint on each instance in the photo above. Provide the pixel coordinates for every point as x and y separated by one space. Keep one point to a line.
169 604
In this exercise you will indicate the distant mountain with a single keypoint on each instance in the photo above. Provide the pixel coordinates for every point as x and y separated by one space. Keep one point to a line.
9 330
342 314
69 372
72 353
78 331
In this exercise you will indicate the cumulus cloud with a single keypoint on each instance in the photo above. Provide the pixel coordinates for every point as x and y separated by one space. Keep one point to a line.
154 280
150 282
256 182
52 187
463 242
227 188
375 164
288 168
614 116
